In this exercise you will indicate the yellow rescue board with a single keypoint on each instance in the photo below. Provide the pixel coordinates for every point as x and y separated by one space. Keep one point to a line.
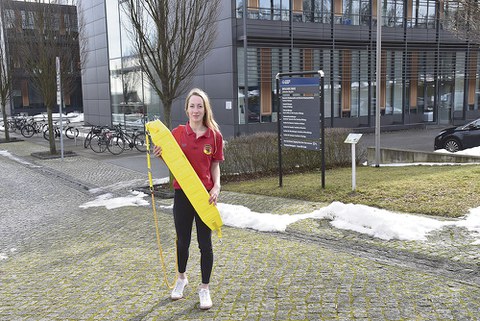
185 175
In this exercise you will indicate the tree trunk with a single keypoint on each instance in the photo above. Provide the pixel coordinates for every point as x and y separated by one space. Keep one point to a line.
167 108
51 132
4 113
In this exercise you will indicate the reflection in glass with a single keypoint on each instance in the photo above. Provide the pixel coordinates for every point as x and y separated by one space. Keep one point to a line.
132 98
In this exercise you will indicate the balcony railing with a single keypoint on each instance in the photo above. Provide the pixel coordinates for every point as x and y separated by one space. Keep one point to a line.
326 17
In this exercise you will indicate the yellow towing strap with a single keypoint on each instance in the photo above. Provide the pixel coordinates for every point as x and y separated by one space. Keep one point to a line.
185 175
157 229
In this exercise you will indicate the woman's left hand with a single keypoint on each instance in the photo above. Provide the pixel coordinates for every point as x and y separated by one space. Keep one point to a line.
214 192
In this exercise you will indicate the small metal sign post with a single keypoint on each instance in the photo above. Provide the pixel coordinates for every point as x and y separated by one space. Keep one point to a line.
59 102
301 114
353 140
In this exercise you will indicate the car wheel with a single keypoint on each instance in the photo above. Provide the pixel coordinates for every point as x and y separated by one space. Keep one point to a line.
452 145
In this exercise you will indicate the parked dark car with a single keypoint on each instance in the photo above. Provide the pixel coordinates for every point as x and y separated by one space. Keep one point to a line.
457 138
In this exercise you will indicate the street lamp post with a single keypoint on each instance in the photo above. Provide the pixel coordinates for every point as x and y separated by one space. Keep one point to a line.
378 80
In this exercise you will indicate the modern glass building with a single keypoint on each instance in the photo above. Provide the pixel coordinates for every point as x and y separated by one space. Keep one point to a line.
428 74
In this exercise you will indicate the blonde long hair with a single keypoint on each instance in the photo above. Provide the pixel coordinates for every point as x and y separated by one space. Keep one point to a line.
208 119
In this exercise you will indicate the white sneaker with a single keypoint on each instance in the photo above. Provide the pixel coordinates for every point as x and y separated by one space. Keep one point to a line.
177 292
205 300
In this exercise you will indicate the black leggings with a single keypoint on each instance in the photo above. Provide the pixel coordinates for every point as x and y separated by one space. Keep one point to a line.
183 215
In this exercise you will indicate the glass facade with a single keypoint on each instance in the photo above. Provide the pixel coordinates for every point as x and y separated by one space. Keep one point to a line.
426 74
419 14
132 98
431 82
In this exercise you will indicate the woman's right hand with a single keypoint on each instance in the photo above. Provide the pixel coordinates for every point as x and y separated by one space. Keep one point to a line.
157 151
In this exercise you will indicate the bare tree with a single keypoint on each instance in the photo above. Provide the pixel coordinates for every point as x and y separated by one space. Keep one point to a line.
5 77
48 31
172 37
462 18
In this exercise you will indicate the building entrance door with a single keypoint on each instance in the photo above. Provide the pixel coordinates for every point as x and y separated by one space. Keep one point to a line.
445 104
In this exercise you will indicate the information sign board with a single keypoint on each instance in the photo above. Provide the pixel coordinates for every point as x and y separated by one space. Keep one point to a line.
352 138
300 125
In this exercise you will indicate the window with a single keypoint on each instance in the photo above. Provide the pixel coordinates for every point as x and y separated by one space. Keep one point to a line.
365 12
351 12
423 14
56 21
9 18
27 20
459 81
265 11
113 27
363 76
449 13
425 81
317 10
336 85
282 9
394 14
302 10
66 22
74 22
393 83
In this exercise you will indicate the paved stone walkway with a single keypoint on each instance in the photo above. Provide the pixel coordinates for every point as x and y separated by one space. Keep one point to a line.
61 262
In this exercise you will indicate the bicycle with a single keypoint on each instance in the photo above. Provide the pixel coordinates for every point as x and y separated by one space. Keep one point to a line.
70 131
32 127
99 142
15 122
121 139
95 129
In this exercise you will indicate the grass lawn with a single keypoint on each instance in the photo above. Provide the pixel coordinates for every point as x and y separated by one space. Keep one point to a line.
448 191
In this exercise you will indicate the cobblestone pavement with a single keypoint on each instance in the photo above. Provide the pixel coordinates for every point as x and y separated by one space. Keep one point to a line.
61 262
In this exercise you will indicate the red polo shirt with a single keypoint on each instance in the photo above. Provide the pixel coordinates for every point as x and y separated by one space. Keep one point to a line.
200 152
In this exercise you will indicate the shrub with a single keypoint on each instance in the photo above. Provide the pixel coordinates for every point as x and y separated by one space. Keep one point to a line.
251 154
257 154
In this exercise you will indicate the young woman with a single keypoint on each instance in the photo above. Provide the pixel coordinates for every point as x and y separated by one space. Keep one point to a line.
202 143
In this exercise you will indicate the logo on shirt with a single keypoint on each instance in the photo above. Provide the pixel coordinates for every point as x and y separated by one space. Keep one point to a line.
207 149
